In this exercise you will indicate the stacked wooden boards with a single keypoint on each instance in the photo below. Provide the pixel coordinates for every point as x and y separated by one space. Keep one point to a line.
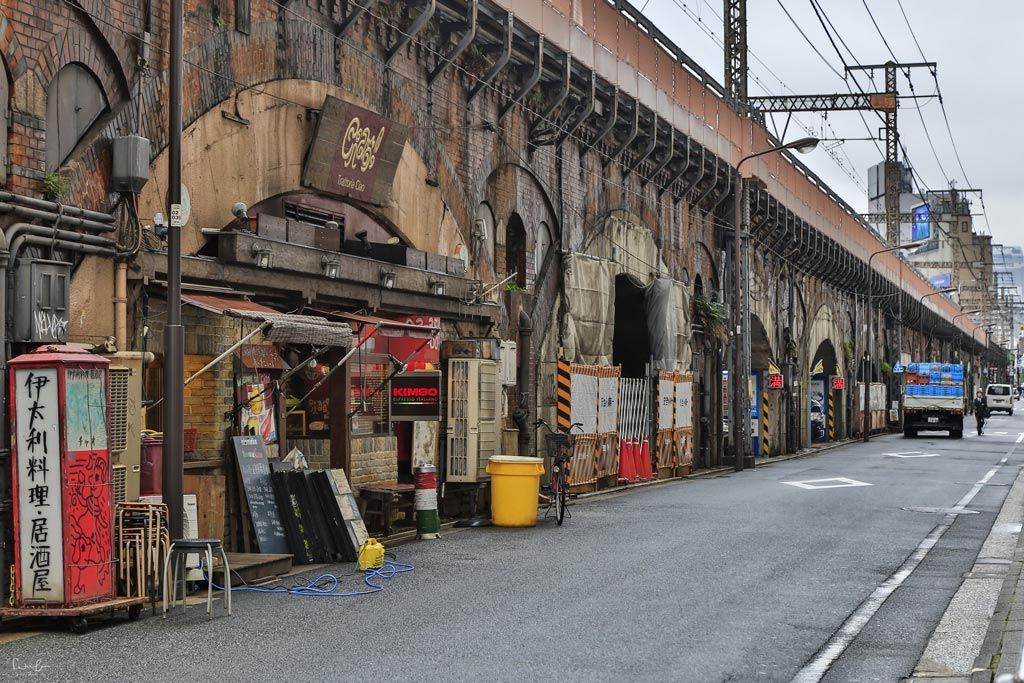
315 510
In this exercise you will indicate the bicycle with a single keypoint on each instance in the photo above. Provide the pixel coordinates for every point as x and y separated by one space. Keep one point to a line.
559 447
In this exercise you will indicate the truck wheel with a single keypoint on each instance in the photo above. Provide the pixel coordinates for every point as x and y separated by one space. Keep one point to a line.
956 433
909 433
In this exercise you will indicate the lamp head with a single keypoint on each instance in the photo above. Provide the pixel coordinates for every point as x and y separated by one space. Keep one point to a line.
803 145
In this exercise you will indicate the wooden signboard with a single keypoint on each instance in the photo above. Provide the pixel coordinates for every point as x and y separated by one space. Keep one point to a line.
258 491
349 509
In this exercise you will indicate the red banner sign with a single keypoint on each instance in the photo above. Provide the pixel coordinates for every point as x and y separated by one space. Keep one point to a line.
838 383
775 381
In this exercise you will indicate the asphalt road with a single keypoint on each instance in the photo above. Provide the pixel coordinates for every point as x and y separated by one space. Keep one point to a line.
741 577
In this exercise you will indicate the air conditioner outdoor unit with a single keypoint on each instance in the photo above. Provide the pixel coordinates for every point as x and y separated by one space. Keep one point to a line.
474 418
126 419
507 359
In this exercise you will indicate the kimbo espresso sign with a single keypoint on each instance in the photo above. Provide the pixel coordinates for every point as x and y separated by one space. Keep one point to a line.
416 396
355 152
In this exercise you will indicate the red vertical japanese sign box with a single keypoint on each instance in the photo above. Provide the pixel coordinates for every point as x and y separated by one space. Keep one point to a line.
63 507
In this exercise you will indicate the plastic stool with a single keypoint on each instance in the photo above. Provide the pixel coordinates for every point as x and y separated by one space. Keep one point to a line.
177 553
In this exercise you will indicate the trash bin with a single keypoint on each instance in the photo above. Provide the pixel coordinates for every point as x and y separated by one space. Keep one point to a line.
515 487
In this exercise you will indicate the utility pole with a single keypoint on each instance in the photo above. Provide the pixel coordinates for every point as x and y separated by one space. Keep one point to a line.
735 13
174 337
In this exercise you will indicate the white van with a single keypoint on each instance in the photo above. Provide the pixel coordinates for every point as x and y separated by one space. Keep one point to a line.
999 397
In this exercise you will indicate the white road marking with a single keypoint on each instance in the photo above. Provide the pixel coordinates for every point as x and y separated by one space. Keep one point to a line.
1020 437
912 454
814 670
999 433
830 483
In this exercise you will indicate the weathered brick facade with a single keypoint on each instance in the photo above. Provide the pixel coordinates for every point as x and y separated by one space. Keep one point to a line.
270 78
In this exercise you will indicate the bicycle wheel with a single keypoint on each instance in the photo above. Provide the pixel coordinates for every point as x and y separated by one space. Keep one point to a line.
560 503
558 491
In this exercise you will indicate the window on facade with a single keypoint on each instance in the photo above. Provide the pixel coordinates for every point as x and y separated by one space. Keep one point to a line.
515 249
965 226
368 402
74 101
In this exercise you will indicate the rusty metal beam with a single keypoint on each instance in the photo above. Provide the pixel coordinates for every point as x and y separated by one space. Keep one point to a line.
837 102
357 11
415 27
467 38
557 100
608 124
500 62
633 126
588 109
670 153
652 142
531 80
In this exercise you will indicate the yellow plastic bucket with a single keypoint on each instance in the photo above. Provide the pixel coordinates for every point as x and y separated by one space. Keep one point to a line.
515 486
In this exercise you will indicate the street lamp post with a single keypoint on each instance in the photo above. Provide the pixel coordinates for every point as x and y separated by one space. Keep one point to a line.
871 328
960 337
920 301
741 319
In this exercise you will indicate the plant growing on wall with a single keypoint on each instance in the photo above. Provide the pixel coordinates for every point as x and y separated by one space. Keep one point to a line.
55 186
848 353
475 61
886 369
710 315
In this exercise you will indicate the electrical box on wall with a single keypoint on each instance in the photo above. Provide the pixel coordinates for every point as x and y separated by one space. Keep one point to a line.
507 361
130 168
40 301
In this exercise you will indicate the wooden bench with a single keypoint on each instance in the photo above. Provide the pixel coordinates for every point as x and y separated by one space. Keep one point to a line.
382 500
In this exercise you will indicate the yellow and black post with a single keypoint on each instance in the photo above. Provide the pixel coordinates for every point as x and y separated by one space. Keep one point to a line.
564 402
764 419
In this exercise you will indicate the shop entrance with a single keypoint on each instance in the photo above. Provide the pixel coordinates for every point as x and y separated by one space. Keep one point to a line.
824 407
631 343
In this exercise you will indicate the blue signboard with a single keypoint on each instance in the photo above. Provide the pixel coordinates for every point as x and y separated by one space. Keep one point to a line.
920 228
940 281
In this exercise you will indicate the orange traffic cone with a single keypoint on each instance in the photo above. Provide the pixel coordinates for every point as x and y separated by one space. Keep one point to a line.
627 467
644 466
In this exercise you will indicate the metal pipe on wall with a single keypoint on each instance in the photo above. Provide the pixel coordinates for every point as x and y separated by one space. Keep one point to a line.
52 217
54 207
121 305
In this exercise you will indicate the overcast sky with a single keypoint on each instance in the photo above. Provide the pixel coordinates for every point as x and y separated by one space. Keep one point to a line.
977 46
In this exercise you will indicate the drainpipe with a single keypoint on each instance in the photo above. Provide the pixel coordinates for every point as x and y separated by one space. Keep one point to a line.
121 305
522 414
5 453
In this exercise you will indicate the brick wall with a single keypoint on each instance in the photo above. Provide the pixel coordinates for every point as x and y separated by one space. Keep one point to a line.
212 395
374 459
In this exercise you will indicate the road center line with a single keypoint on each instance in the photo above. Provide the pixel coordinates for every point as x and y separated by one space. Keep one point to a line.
814 670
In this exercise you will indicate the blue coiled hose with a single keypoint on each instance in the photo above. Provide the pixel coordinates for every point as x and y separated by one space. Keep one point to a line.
327 585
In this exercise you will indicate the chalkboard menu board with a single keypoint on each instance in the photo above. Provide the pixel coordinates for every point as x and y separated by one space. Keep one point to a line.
254 473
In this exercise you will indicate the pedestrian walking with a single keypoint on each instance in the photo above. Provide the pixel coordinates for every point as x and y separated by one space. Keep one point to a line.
980 410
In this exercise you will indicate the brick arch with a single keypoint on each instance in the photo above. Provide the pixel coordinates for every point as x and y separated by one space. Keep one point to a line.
10 48
78 45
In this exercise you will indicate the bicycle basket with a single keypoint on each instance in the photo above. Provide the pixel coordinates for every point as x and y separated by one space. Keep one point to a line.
558 444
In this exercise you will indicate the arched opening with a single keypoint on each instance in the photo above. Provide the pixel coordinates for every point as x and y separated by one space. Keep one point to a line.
74 101
824 408
515 249
631 343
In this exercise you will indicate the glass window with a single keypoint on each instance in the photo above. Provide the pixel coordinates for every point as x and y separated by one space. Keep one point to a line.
368 399
998 390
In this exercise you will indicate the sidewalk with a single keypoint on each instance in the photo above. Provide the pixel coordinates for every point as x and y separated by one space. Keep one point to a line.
980 634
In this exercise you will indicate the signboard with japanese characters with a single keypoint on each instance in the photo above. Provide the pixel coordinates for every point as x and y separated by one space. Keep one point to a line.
684 401
40 528
666 400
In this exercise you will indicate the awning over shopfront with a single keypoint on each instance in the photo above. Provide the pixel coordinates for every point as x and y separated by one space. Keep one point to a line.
283 328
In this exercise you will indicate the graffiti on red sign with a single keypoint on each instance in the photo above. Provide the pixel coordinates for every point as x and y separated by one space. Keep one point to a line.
774 381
